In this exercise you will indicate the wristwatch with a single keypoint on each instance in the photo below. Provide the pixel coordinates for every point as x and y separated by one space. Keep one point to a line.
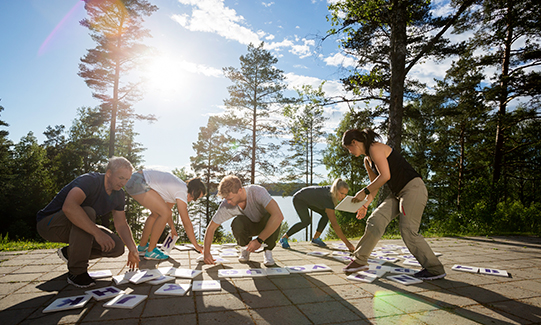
259 240
366 191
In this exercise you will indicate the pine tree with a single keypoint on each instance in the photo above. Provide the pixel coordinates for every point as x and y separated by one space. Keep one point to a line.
257 88
116 27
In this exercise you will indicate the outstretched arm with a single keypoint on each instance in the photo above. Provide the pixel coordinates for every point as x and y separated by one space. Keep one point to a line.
209 236
187 223
334 223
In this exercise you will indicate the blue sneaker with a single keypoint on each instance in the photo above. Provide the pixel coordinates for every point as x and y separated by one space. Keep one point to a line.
284 243
156 254
318 242
142 249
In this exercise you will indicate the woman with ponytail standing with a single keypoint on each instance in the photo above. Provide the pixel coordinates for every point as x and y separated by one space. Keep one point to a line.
407 199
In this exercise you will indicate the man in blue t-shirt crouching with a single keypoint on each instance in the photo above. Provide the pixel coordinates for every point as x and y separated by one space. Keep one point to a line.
71 218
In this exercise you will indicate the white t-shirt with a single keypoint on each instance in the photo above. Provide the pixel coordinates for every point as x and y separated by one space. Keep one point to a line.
167 185
257 199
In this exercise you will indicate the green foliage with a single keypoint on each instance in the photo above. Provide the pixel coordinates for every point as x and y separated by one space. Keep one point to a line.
7 245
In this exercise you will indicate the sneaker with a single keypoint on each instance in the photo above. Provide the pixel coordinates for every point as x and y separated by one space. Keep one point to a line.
156 254
355 267
267 258
63 253
142 249
425 275
244 256
318 242
82 280
284 243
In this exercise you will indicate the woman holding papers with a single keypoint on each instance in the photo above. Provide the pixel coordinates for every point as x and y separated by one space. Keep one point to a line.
320 199
408 199
159 191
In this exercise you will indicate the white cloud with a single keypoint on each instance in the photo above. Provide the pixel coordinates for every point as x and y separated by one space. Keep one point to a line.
212 16
268 4
340 60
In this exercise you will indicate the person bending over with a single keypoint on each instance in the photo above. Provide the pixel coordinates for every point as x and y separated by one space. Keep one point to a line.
159 191
320 199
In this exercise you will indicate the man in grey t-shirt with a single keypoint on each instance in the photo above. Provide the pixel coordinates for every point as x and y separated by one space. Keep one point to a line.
256 214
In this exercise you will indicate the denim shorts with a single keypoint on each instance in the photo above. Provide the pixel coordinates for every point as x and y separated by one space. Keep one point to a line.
137 184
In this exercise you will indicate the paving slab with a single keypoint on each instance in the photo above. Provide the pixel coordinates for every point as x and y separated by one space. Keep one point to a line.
31 280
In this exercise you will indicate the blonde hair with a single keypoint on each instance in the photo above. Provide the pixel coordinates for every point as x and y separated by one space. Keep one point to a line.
116 163
229 184
336 186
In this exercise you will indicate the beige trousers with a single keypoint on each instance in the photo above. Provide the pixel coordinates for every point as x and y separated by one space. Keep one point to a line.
409 204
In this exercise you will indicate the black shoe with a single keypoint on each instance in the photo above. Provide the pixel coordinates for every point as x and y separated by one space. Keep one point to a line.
63 253
425 275
82 280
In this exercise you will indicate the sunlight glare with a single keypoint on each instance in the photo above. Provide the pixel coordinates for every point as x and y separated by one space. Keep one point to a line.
167 77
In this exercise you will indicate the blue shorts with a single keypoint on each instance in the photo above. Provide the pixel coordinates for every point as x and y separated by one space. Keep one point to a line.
137 184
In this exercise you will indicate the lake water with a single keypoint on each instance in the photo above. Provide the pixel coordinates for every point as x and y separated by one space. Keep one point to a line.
290 215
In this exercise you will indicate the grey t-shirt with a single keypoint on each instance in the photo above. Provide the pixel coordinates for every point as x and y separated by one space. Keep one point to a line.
257 199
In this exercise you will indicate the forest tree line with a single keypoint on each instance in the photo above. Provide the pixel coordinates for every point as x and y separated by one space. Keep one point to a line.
475 137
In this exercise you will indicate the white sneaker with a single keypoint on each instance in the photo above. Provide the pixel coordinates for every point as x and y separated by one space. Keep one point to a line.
267 258
244 256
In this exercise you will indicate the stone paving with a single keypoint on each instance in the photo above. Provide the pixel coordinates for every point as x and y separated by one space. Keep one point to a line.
31 280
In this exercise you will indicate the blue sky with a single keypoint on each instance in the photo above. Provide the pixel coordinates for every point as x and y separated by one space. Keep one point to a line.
42 43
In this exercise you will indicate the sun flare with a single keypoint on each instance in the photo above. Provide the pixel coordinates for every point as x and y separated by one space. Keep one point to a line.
166 76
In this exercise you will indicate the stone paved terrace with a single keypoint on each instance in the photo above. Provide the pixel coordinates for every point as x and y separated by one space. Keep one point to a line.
31 280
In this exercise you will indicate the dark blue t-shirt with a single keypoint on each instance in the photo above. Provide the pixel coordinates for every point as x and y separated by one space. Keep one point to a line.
97 198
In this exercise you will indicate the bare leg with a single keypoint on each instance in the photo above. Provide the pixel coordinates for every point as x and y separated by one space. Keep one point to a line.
154 202
317 234
149 223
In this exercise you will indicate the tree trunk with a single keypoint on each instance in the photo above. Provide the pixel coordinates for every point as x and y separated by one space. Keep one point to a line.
398 66
498 150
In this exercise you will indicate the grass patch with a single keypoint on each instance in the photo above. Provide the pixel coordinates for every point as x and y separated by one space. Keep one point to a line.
7 245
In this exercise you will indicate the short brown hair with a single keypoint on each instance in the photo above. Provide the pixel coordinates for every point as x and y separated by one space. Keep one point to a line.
229 184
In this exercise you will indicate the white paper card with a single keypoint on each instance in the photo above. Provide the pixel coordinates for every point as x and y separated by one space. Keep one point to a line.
206 285
401 270
183 248
125 301
377 273
404 279
123 278
231 273
229 254
67 303
297 269
145 275
362 277
376 261
186 273
104 293
100 274
386 258
169 243
318 253
464 268
168 270
483 270
253 273
173 289
345 259
160 280
277 271
347 205
412 263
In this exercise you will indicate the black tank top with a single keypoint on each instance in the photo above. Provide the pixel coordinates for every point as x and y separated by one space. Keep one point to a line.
401 172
